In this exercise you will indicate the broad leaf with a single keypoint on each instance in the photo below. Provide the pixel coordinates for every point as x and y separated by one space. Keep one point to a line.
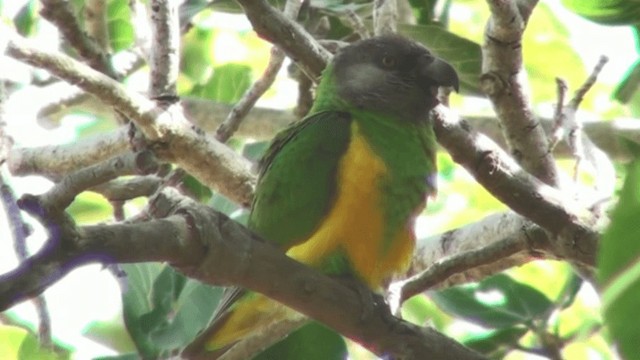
496 302
228 83
496 340
311 342
619 266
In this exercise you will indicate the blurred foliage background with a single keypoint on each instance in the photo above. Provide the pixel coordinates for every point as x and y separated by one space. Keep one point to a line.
526 313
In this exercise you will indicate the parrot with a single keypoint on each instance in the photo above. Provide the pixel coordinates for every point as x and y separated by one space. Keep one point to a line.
340 190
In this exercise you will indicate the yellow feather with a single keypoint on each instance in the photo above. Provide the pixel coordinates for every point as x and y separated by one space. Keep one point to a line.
355 223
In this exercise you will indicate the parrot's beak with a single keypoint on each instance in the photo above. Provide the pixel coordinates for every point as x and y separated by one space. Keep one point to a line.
435 70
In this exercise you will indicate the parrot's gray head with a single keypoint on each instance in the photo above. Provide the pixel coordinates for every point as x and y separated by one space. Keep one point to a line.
393 75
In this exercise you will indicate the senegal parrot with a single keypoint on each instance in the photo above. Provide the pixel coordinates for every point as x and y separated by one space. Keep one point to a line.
339 190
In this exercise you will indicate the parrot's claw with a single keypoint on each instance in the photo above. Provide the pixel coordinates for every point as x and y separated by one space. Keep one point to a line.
368 299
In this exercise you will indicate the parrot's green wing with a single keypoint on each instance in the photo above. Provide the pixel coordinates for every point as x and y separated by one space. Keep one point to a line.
296 188
297 183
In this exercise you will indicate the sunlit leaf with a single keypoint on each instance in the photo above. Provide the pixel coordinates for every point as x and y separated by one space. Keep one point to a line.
608 12
111 334
227 84
18 343
547 41
121 32
89 208
495 302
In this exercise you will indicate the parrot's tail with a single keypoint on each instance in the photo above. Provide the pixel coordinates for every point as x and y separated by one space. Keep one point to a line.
248 317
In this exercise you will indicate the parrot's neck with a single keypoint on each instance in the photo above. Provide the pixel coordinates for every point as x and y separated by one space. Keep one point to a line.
327 94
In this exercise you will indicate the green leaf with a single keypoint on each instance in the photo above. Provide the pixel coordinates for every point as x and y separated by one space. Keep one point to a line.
608 12
121 32
228 83
89 207
26 20
196 189
495 340
194 308
111 334
254 151
196 56
129 356
163 310
629 85
568 294
547 37
423 10
619 266
465 55
496 302
223 204
152 288
311 342
18 343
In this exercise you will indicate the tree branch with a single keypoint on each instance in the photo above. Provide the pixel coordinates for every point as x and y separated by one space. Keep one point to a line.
165 48
249 99
59 12
288 35
546 206
208 246
174 138
385 17
503 80
264 123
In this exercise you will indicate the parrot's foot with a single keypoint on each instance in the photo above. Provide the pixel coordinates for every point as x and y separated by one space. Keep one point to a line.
369 299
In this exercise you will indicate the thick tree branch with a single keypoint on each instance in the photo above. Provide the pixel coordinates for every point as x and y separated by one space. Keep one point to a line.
263 123
503 80
385 17
210 247
174 138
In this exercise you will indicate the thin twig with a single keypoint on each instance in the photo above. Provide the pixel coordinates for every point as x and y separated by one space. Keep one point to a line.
213 163
249 99
557 131
165 47
20 232
63 193
60 13
458 263
579 95
356 23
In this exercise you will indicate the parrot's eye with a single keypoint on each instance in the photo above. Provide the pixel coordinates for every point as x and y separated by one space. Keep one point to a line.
388 61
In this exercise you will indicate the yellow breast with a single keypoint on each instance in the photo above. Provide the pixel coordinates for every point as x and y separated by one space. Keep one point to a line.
355 224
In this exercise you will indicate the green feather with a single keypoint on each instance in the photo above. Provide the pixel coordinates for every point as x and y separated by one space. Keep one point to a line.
299 196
